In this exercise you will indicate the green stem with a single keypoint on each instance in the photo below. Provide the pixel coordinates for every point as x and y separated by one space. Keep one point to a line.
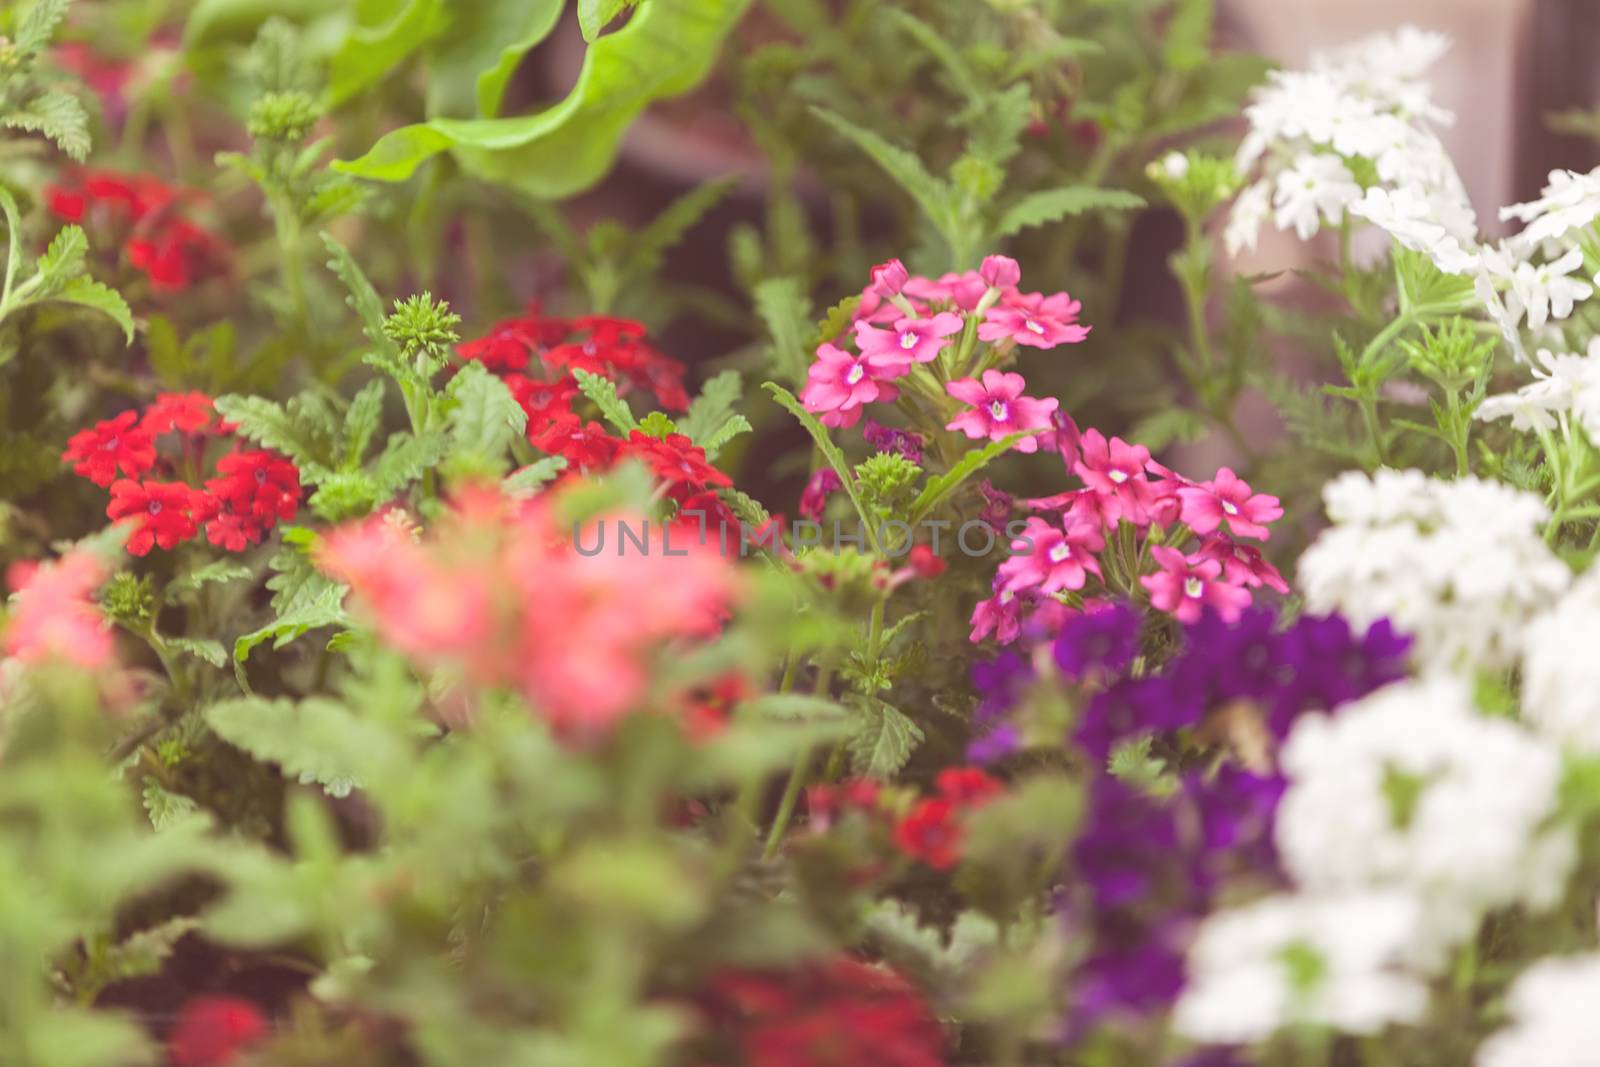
797 781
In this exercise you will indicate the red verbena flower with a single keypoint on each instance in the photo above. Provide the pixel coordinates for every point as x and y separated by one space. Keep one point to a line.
184 412
931 834
675 459
967 786
161 513
511 344
212 1031
118 442
584 445
544 402
843 1013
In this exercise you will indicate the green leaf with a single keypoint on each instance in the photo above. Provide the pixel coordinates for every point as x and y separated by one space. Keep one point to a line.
315 741
596 15
404 459
786 311
829 450
363 298
938 489
326 610
59 116
713 406
486 418
603 391
669 225
883 741
998 123
288 430
165 808
370 53
63 260
665 49
86 292
184 587
473 61
932 195
941 50
200 647
361 421
39 25
1052 205
735 426
746 507
1188 42
524 483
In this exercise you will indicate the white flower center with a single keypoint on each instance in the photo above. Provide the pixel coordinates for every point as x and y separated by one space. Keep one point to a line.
999 411
1060 552
1117 476
1230 508
855 374
1007 596
1032 325
1193 587
908 340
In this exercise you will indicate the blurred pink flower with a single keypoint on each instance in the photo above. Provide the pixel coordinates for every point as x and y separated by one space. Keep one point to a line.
53 615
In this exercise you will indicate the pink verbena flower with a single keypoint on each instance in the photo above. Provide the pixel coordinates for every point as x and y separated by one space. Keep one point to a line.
1000 272
911 340
1242 564
999 409
1186 585
964 290
1035 320
1227 499
54 616
1051 559
1114 470
889 278
1000 615
814 499
841 384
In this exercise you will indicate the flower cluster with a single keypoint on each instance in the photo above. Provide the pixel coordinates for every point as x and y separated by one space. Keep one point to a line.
1460 565
1052 560
146 217
496 594
931 832
840 1012
53 615
904 325
254 489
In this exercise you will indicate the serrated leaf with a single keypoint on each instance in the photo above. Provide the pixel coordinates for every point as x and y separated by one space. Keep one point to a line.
669 225
735 426
998 123
603 391
317 740
363 298
938 489
1052 205
931 194
524 483
186 585
164 807
404 459
39 25
86 292
883 741
746 507
711 408
63 260
486 418
296 432
941 50
786 311
57 115
326 610
200 647
361 421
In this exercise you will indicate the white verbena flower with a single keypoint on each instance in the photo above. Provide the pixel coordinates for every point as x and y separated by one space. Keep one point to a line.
1335 961
1412 788
1553 1018
1317 187
1460 565
1414 221
1570 201
1545 292
1563 382
1561 672
1253 207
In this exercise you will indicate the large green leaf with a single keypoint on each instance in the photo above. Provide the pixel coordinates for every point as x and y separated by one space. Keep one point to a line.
666 48
470 65
374 49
